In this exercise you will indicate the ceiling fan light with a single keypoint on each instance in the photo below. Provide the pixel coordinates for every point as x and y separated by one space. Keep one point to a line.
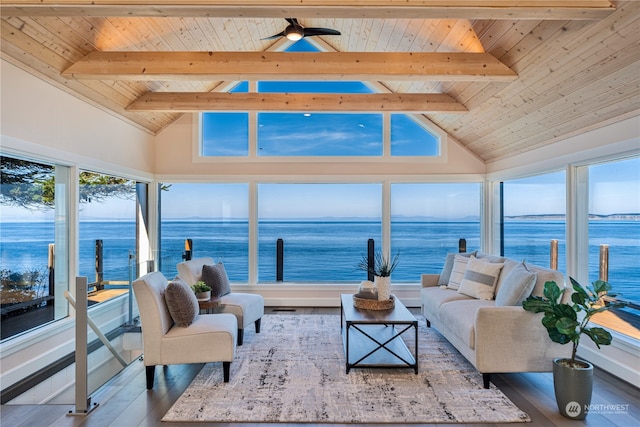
292 33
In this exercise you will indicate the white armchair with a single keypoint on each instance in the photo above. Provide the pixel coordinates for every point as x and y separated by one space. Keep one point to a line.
248 308
210 338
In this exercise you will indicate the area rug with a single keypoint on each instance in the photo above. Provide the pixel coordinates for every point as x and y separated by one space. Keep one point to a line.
294 371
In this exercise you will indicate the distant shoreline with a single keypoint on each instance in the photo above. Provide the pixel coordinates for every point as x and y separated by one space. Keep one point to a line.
398 218
562 217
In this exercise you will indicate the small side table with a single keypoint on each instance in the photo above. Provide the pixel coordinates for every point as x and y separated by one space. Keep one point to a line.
209 304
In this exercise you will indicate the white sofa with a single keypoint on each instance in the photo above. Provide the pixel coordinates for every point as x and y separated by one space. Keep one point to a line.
496 335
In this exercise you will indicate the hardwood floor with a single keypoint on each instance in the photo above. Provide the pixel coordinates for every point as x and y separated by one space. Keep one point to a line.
125 402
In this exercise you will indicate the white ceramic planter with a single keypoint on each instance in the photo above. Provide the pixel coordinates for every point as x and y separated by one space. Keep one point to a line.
383 284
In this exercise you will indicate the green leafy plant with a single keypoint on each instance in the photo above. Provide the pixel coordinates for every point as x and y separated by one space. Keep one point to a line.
200 286
566 322
382 266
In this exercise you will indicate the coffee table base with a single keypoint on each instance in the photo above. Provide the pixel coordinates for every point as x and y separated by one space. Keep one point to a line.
373 339
377 346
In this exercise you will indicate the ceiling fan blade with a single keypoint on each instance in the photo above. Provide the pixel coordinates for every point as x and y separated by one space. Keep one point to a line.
294 26
275 36
320 32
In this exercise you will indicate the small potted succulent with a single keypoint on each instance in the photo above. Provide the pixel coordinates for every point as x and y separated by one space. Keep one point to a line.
202 291
565 323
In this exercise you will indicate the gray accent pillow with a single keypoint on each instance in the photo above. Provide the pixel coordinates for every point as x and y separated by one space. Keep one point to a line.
216 277
181 302
445 274
517 286
480 278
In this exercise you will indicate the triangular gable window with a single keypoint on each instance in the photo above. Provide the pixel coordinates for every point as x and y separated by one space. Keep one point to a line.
315 134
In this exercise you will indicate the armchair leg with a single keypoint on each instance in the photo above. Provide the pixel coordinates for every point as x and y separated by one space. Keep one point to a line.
226 367
258 325
486 379
240 335
428 323
150 371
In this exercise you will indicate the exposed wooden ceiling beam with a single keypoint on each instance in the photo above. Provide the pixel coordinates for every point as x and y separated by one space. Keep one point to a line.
211 101
348 66
419 9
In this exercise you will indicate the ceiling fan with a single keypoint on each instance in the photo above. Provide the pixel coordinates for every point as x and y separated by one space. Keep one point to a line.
295 31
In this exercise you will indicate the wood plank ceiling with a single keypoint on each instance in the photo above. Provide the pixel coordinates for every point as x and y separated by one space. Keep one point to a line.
573 65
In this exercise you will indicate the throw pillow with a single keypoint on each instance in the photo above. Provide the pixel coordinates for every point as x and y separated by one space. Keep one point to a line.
480 278
517 286
181 302
216 277
457 271
489 257
445 274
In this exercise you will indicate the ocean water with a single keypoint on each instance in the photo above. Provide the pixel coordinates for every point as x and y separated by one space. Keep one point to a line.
322 251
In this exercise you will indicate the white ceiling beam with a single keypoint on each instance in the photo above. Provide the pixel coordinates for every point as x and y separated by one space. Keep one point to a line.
352 9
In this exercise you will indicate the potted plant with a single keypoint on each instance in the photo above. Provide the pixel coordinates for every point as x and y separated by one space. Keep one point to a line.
381 269
202 291
566 323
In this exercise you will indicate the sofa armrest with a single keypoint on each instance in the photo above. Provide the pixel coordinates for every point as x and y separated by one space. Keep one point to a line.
429 280
511 339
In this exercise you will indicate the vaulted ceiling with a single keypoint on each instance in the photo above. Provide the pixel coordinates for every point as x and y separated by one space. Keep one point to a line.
501 77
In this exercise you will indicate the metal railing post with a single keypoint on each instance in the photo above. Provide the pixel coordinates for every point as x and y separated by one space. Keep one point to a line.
462 246
99 264
83 401
371 249
51 264
188 250
279 260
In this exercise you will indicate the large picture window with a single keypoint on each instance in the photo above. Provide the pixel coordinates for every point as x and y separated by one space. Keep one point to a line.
535 215
324 230
614 203
319 134
33 244
107 238
428 221
214 217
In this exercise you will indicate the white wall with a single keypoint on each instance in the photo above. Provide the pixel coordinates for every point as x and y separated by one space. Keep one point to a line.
608 142
38 118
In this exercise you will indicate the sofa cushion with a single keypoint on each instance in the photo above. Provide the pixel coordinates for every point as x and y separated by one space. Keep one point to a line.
459 318
517 286
509 264
445 274
181 302
545 275
489 257
457 271
432 298
216 277
480 278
